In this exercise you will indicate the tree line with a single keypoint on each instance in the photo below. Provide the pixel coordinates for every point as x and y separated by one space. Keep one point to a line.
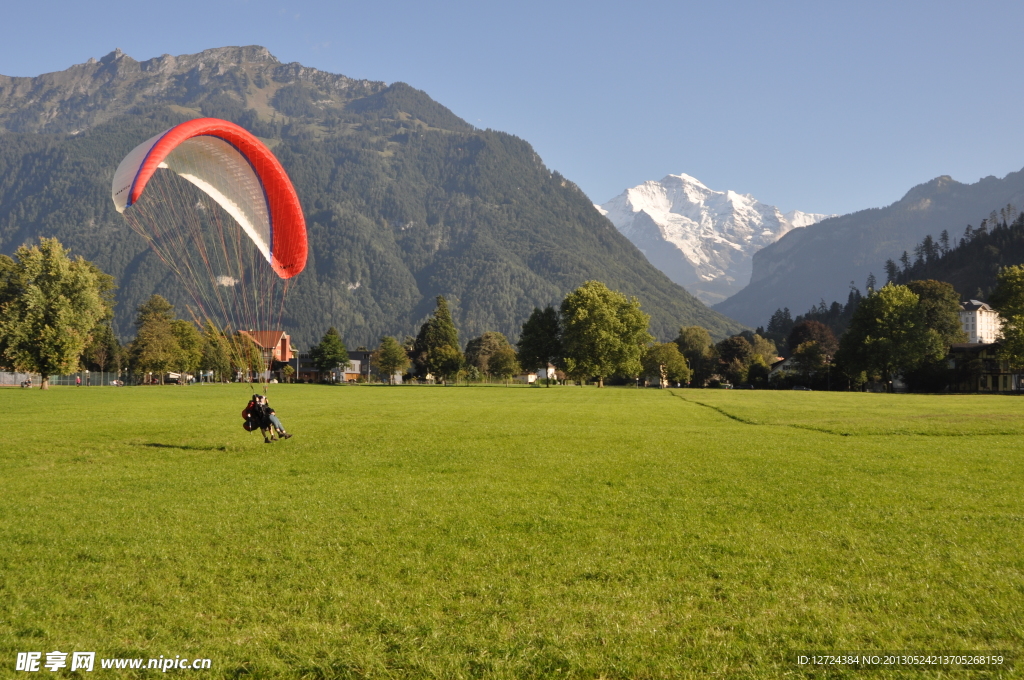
894 335
55 319
595 335
900 330
971 262
55 313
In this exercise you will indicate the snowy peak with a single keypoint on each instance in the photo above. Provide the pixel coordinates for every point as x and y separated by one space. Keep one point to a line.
701 238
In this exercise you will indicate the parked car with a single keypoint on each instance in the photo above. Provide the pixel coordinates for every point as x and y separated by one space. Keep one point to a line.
746 386
801 388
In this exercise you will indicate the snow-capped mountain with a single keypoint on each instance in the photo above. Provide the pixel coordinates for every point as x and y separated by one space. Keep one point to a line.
702 239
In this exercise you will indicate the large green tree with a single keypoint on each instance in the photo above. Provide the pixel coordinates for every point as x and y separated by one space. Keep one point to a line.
695 344
155 348
480 350
216 352
189 356
809 357
445 362
889 334
764 348
390 358
330 353
940 304
104 351
604 333
50 304
667 362
540 341
813 331
437 333
504 363
1008 300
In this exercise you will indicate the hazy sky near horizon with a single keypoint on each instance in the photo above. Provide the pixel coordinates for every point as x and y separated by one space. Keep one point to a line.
821 107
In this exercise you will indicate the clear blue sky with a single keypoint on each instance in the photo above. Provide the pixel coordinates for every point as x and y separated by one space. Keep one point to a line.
818 106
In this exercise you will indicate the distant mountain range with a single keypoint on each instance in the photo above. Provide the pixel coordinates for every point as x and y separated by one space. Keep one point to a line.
403 199
819 261
702 239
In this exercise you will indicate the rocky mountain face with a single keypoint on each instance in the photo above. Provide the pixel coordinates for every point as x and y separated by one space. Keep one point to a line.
819 261
97 91
702 239
403 199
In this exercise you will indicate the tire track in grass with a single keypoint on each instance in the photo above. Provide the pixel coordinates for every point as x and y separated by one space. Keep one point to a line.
748 421
839 433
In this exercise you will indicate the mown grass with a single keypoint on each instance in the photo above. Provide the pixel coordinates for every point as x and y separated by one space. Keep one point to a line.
430 532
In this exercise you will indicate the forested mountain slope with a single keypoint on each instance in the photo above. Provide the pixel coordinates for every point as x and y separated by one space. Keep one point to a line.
819 261
403 199
974 260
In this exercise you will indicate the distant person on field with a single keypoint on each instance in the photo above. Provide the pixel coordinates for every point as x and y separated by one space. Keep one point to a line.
78 381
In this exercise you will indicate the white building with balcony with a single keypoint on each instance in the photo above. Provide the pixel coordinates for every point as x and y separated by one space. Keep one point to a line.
980 322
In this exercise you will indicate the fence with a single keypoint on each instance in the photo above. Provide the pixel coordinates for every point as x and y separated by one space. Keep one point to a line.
86 378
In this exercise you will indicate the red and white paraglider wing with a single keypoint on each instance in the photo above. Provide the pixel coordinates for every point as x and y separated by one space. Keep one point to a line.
237 171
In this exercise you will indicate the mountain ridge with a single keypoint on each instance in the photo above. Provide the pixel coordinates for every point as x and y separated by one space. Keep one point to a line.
700 238
84 94
819 262
404 200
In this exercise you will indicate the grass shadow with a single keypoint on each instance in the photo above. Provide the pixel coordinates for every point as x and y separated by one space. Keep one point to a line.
186 447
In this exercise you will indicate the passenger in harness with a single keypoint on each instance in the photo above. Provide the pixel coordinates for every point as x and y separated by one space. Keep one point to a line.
258 413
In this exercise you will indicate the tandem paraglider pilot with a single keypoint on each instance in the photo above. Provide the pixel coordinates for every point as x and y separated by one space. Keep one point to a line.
258 413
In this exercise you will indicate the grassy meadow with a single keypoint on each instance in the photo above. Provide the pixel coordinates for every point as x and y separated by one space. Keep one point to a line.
492 532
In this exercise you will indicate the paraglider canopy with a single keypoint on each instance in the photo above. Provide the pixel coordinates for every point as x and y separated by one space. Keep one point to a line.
236 170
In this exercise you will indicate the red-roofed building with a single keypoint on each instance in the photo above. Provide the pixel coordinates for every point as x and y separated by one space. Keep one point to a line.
276 345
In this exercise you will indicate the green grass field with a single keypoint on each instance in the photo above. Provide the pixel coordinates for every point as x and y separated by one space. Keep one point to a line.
492 532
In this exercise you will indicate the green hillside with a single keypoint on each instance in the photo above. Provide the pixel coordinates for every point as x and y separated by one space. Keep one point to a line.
403 199
972 265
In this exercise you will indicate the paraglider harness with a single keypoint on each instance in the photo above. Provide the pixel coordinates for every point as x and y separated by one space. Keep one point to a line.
256 414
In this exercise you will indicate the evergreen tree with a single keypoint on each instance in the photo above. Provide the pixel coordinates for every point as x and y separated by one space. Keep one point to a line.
330 353
439 331
891 270
781 323
49 306
390 358
603 333
539 343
